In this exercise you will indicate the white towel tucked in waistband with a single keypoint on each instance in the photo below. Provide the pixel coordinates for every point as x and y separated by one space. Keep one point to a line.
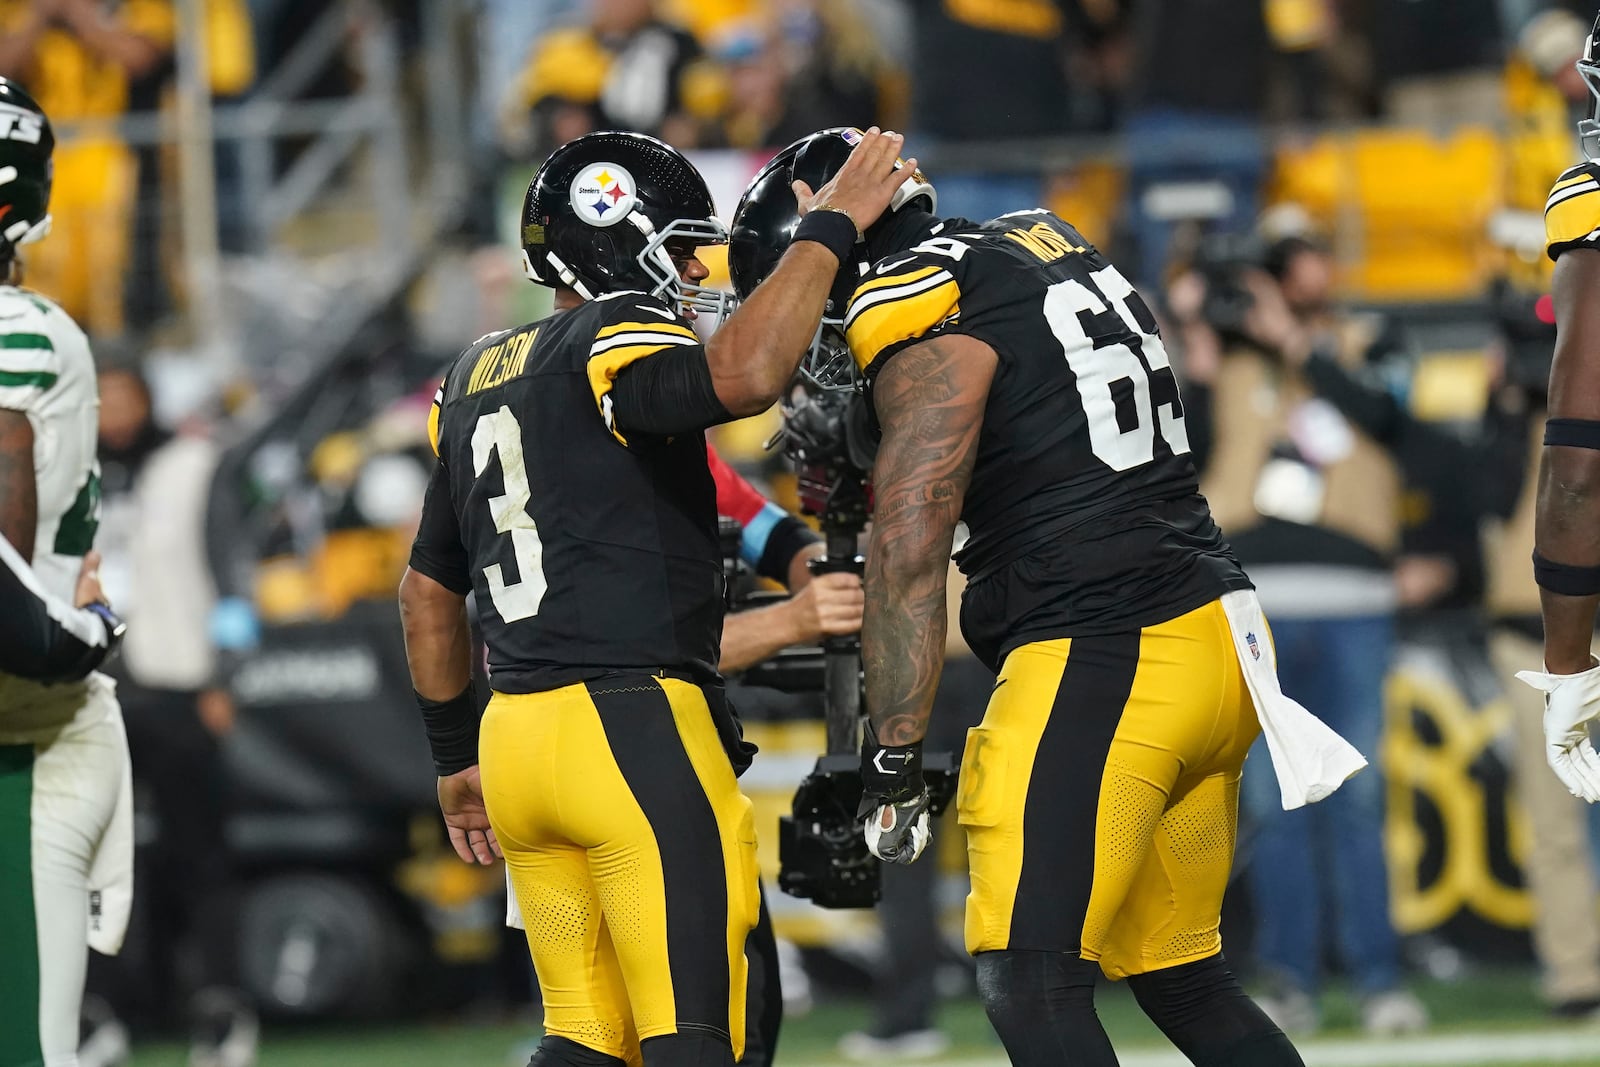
1310 759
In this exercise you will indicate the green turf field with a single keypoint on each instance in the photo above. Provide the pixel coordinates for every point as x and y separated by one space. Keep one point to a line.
1493 1020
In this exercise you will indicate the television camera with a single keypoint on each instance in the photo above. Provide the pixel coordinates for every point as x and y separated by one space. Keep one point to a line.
827 433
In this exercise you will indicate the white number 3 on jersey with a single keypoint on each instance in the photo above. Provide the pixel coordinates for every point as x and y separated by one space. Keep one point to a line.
498 431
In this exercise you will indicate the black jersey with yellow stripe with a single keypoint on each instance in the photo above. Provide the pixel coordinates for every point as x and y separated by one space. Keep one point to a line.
588 550
1083 476
1572 214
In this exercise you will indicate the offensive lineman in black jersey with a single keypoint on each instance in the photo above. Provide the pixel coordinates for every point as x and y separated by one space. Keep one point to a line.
1020 385
573 499
1566 557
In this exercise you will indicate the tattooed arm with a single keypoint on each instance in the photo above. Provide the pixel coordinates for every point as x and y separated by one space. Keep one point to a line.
930 400
19 513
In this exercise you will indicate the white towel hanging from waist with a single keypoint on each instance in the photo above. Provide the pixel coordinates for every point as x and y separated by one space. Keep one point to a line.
1311 760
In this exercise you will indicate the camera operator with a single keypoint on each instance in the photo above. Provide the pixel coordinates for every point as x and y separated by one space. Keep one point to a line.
1310 502
779 546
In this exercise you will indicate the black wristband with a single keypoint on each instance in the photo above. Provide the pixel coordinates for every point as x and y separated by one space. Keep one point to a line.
95 656
1572 433
1564 579
833 230
889 772
452 727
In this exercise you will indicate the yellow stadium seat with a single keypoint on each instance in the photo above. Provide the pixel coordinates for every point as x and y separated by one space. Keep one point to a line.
1425 207
1408 211
1089 197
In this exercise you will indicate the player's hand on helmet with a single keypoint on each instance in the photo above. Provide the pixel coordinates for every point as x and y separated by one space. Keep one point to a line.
461 800
1571 703
865 184
830 605
894 799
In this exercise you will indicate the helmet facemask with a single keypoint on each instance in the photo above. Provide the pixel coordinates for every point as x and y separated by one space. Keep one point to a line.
1589 70
657 262
828 365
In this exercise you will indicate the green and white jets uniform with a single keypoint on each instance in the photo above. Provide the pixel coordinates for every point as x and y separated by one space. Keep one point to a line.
66 825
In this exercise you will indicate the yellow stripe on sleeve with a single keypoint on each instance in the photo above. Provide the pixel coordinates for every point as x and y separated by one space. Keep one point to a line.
1572 219
603 371
1582 176
894 279
876 328
674 329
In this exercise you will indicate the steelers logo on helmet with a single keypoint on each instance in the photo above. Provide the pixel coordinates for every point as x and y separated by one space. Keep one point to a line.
603 194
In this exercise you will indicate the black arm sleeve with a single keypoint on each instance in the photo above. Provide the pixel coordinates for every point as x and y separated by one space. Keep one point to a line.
785 541
438 551
41 637
667 393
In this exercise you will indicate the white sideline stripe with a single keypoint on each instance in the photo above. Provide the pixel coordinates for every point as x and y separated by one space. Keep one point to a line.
1456 1050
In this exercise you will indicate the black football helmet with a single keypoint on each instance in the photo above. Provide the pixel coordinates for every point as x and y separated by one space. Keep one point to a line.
1589 67
26 142
601 211
764 225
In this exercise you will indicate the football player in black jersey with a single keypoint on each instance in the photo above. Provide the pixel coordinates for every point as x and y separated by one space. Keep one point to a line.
1566 557
573 500
1020 384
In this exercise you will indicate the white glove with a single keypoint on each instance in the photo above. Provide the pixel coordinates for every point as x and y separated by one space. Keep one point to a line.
897 833
1571 702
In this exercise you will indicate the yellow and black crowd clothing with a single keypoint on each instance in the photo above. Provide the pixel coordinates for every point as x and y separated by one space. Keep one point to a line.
573 499
633 81
1099 794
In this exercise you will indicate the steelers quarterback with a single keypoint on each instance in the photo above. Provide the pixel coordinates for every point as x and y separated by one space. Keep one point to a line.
573 500
65 814
1566 558
1020 385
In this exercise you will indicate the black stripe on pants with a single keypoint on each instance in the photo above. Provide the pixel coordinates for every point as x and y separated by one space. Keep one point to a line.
644 741
1064 793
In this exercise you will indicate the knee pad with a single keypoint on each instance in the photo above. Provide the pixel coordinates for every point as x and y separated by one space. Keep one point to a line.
1204 1011
556 1051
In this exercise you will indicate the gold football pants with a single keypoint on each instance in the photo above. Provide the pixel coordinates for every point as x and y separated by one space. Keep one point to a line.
632 853
1101 794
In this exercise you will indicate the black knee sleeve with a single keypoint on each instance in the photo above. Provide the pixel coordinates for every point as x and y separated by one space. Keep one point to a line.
556 1051
1204 1011
1042 1006
687 1049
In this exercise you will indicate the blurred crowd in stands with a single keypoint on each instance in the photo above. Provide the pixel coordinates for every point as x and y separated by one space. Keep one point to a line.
1368 173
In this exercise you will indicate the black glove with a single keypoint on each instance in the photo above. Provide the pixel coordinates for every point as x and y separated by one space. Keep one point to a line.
894 799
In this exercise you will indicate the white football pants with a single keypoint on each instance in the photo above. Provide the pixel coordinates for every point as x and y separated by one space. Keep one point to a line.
57 799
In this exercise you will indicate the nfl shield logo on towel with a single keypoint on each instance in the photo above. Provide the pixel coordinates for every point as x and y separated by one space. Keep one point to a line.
1255 649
